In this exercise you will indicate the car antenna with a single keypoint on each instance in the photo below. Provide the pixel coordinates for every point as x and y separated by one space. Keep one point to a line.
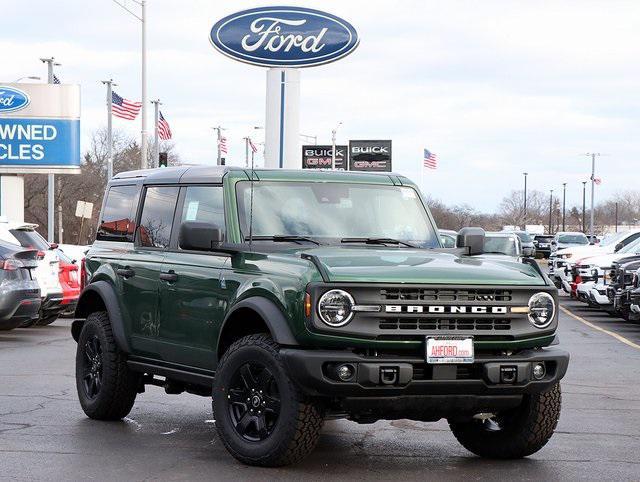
251 204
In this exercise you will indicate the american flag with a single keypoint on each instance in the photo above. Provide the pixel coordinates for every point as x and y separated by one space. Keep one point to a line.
56 80
164 131
123 108
430 160
222 145
254 149
597 180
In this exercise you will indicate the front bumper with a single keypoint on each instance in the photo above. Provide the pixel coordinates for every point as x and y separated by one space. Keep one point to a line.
314 371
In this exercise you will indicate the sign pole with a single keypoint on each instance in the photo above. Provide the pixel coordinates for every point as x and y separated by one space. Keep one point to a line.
109 83
51 189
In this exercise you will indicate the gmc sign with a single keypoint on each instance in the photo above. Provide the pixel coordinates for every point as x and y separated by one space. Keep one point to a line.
319 157
370 156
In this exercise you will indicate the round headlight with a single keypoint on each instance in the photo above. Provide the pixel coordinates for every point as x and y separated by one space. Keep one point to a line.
334 307
542 308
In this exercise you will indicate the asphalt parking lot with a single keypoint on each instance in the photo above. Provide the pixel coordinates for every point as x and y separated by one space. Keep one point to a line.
44 434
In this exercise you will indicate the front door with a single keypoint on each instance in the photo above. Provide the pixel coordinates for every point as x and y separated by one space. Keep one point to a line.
192 294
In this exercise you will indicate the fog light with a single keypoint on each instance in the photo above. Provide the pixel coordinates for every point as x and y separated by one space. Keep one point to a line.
345 372
539 371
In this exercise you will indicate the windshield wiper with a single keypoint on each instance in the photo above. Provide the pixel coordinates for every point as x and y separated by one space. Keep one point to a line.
283 238
377 241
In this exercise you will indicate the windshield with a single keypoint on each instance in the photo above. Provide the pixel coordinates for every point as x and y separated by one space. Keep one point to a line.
500 244
30 239
633 247
524 237
329 212
612 238
573 239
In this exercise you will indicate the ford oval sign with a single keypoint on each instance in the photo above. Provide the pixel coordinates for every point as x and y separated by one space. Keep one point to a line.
12 99
284 37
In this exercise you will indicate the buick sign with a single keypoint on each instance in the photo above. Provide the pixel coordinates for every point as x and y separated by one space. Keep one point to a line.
12 99
284 37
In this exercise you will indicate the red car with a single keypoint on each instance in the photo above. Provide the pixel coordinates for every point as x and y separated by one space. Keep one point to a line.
70 281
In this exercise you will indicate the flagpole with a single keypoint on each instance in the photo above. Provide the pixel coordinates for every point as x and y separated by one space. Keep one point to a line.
217 129
109 83
246 151
155 162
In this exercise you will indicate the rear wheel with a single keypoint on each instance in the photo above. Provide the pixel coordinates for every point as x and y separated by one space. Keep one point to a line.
514 433
261 416
106 387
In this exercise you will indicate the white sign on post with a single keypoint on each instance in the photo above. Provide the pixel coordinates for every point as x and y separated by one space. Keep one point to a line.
84 209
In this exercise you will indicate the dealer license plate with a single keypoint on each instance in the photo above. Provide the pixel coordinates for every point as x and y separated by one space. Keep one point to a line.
449 349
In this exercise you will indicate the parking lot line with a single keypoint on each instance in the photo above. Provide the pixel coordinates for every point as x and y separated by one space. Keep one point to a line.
595 327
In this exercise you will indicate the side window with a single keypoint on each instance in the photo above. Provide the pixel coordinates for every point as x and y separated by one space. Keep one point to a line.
157 216
117 223
204 204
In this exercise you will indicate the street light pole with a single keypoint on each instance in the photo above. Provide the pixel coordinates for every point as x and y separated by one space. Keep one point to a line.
550 208
333 146
564 199
51 188
525 200
143 111
143 117
584 197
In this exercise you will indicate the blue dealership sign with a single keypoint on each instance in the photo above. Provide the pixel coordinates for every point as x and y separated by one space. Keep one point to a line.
40 142
284 37
12 99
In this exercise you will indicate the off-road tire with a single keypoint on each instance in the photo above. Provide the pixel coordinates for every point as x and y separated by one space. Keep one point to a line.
119 385
526 429
299 422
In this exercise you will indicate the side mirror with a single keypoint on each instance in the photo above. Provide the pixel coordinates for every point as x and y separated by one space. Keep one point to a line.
527 251
472 239
618 247
199 236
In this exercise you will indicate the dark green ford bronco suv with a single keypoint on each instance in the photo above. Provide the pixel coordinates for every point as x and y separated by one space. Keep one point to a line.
291 296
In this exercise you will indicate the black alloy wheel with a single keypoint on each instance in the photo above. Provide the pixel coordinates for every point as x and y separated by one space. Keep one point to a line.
253 401
92 367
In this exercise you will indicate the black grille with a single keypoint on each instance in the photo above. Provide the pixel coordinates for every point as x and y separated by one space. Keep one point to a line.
469 324
463 372
425 294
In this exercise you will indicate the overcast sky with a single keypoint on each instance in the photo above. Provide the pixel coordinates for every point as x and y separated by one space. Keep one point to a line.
494 88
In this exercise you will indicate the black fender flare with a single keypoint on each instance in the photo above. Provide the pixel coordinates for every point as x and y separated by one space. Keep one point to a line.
272 316
107 294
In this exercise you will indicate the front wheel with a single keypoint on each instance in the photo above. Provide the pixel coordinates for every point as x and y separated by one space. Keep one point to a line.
106 387
261 416
515 433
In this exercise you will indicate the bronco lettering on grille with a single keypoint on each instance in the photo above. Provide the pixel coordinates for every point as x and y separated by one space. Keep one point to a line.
453 309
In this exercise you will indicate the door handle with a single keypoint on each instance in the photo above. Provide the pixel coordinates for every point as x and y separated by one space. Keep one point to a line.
169 277
125 272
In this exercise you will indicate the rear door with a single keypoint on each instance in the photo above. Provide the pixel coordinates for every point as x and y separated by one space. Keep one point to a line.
192 298
140 273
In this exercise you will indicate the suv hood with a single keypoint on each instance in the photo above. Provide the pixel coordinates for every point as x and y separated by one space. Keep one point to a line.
584 250
405 265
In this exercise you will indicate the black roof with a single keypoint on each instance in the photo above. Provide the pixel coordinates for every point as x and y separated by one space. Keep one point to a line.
214 174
